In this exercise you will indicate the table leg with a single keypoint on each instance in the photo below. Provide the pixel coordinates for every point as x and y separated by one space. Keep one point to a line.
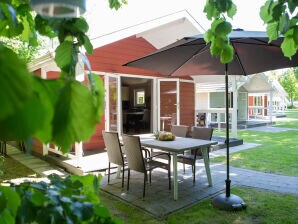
175 176
207 165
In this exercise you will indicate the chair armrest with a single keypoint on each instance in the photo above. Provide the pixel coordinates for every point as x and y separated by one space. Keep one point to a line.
147 152
167 154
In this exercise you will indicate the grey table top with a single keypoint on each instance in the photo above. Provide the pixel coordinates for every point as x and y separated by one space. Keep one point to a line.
178 145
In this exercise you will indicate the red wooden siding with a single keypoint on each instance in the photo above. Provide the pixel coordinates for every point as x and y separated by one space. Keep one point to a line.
168 103
111 57
265 105
52 75
187 104
96 140
250 103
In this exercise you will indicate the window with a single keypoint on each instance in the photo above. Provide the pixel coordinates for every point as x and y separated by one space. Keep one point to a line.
139 97
217 100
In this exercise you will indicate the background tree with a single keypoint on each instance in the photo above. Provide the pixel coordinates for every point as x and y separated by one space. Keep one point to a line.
289 82
295 70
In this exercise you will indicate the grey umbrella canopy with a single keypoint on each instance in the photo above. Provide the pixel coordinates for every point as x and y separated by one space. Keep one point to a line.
191 56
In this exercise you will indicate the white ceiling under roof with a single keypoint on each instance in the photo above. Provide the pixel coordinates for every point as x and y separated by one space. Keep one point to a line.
159 32
166 34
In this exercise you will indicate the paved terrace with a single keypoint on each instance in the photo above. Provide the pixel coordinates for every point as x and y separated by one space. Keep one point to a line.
159 200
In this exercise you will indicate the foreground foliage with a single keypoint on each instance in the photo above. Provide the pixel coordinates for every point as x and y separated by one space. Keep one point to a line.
70 200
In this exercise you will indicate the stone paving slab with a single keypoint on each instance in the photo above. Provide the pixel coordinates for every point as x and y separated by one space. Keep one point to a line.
38 165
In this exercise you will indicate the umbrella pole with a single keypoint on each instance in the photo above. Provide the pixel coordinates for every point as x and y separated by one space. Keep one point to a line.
228 201
228 181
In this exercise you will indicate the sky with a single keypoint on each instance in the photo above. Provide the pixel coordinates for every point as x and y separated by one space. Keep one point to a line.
103 20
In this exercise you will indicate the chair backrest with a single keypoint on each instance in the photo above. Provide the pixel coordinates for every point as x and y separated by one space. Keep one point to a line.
202 133
133 152
113 147
179 130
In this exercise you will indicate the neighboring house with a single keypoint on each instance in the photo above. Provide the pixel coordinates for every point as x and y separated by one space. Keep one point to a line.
256 98
263 94
136 100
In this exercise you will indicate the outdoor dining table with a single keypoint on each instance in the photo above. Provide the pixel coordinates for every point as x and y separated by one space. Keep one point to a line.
178 146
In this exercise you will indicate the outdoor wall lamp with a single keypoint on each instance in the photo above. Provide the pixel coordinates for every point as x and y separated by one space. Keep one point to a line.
59 8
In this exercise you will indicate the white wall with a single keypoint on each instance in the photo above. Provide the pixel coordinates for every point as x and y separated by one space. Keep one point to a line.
202 101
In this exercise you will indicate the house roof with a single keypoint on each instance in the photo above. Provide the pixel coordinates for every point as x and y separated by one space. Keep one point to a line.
159 32
257 83
46 61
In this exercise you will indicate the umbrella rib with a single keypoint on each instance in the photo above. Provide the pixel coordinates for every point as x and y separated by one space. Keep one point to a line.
194 54
149 55
258 40
238 59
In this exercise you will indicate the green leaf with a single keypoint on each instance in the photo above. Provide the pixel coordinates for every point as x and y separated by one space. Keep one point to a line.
88 46
87 210
48 92
227 54
81 25
43 27
9 25
272 31
214 49
7 218
295 35
232 11
265 12
13 200
63 56
98 96
288 47
73 111
66 57
223 29
211 11
292 5
277 9
284 23
26 121
208 36
15 82
116 4
38 199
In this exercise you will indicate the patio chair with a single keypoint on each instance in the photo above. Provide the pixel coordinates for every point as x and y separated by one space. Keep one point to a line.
190 158
114 151
137 162
179 130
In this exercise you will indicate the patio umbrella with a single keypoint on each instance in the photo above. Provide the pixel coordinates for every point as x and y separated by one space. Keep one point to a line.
191 56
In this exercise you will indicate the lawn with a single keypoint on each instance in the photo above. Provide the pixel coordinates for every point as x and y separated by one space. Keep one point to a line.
12 169
277 154
263 207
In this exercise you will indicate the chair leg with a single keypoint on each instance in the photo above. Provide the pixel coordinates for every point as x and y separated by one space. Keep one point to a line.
123 176
194 173
109 172
144 186
183 166
150 177
169 172
128 176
